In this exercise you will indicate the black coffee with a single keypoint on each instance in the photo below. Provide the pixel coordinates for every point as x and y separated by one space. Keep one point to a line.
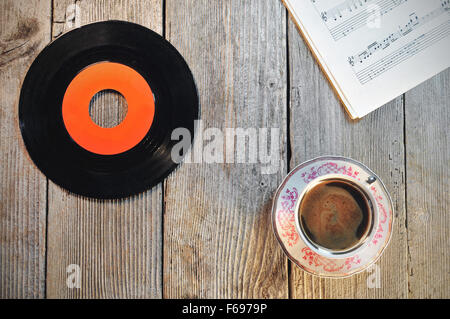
335 214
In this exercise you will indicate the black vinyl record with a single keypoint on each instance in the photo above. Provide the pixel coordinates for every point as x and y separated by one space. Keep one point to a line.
53 149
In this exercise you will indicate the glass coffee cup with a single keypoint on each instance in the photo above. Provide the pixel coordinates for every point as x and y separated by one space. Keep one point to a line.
335 215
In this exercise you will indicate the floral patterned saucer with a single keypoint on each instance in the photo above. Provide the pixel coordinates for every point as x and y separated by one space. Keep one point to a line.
283 218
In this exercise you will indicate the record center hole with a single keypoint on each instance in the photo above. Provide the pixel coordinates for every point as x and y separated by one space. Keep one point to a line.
108 108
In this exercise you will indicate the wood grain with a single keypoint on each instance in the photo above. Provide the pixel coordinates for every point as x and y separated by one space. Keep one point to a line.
117 244
24 31
108 108
207 232
428 204
218 240
319 126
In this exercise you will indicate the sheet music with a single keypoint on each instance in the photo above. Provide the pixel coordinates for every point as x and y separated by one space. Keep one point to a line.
375 50
351 15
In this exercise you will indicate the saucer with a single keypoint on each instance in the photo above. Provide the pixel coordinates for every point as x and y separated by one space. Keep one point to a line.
283 218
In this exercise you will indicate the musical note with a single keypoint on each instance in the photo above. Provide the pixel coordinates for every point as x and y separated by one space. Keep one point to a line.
405 52
359 20
351 15
344 9
404 29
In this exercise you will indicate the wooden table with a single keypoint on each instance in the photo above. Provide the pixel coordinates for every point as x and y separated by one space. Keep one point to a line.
206 231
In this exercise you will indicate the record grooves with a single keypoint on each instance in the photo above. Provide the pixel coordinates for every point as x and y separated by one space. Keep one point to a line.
94 172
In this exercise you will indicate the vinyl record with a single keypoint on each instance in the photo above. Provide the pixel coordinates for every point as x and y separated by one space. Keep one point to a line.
68 147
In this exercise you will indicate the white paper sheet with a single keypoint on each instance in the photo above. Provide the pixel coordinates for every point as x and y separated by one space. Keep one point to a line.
375 50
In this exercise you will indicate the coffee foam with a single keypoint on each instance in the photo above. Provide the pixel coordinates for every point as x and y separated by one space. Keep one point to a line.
331 216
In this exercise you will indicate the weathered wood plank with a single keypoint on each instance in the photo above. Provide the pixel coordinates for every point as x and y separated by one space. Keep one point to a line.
218 239
427 187
24 31
117 244
319 126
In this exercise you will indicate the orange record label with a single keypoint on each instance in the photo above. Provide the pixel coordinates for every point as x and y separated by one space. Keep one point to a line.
134 127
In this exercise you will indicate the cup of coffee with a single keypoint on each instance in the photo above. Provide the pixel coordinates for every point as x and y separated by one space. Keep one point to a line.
335 215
